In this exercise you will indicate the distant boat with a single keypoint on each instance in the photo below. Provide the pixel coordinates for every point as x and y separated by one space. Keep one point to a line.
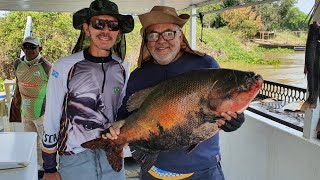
299 48
295 47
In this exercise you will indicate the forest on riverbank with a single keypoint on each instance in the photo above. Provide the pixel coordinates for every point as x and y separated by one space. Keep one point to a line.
226 35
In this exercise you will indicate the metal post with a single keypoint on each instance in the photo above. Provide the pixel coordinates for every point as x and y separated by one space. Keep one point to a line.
310 123
27 31
193 35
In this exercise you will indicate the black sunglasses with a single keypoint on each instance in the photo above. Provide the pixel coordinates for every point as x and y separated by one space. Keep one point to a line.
99 24
28 47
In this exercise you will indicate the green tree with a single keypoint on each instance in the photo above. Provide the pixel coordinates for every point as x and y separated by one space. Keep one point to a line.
243 19
211 18
56 34
269 15
55 31
229 3
295 20
273 14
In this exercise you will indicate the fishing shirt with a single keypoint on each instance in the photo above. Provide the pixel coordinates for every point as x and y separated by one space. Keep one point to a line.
28 101
178 163
84 93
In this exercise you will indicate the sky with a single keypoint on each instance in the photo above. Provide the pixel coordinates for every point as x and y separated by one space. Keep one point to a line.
305 5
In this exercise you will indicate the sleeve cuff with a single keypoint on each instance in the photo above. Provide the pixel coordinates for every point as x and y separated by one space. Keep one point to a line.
52 170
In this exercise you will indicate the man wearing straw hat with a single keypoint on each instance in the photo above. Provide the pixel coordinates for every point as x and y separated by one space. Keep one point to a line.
165 53
84 92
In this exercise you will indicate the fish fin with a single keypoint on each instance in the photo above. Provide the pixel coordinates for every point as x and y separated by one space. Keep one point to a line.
305 106
145 159
99 143
191 148
114 152
136 99
310 103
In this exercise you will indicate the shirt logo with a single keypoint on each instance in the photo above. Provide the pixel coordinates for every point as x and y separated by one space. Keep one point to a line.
116 90
37 73
26 103
55 74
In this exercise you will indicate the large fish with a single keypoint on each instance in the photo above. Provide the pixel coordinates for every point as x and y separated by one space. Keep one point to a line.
311 68
176 113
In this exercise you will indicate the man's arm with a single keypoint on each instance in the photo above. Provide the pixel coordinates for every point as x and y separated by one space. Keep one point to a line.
15 113
122 111
56 91
47 67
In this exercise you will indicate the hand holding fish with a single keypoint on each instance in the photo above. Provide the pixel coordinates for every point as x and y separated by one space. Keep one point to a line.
114 131
226 116
232 121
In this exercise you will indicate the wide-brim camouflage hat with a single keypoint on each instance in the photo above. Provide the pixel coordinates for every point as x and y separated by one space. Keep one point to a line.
103 7
161 15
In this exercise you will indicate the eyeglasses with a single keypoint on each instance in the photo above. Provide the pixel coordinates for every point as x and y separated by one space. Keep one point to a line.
29 47
99 24
166 35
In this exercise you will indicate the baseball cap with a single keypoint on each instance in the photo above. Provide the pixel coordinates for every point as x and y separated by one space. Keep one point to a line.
32 40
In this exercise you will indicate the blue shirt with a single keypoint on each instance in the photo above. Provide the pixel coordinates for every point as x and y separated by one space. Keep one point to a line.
151 74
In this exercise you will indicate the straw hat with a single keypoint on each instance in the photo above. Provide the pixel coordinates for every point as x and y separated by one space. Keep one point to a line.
160 15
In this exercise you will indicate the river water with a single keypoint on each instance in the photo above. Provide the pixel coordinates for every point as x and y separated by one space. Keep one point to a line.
289 72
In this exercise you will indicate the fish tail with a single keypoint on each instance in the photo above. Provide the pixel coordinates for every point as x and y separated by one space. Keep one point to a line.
114 151
145 159
305 106
310 103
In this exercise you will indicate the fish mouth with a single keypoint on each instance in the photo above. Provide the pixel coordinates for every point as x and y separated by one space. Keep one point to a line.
250 81
257 79
238 99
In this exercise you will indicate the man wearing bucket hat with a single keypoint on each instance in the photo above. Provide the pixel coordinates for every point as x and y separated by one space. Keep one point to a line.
28 102
165 53
84 92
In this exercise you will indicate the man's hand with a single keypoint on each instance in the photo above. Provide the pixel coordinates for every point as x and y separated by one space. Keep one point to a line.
51 176
232 121
114 131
